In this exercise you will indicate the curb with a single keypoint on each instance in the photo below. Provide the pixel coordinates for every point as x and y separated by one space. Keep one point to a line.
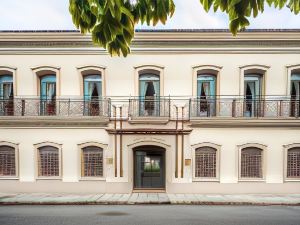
153 203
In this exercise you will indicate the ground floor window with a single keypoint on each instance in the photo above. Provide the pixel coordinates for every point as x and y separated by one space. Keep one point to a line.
92 162
205 162
7 161
293 163
48 161
251 163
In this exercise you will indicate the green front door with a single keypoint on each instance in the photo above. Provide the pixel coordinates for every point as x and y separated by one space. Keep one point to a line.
149 168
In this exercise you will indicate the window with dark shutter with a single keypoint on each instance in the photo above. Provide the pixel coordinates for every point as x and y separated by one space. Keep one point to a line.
48 161
7 161
251 163
92 162
293 163
205 162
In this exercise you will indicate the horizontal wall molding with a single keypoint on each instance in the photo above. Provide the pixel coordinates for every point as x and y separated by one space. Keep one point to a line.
41 122
245 123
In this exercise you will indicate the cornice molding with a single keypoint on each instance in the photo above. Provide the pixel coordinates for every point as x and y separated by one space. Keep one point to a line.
56 43
155 36
149 51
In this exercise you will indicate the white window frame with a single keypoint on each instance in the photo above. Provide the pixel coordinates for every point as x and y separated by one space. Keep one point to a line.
6 70
254 69
289 71
40 71
144 69
92 70
206 69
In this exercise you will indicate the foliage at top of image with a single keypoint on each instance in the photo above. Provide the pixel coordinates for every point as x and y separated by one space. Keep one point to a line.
112 22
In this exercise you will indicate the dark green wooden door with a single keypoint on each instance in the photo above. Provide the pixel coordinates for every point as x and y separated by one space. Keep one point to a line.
149 168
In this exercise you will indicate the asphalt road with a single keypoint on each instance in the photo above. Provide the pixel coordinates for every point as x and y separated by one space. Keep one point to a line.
149 214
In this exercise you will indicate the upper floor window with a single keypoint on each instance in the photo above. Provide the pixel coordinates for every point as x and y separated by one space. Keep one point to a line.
7 161
149 93
6 87
205 162
48 94
293 163
92 87
206 93
92 162
48 161
252 94
295 94
92 90
6 95
251 163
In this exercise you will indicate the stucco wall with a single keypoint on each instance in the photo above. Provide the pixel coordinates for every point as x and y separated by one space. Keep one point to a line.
177 71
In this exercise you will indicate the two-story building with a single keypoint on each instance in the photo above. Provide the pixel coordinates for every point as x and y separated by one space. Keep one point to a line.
188 111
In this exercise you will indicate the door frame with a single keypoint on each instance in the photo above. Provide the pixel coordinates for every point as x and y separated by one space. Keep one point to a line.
149 148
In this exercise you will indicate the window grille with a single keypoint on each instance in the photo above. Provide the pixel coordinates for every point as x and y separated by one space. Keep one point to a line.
48 162
92 162
251 163
205 162
293 163
7 161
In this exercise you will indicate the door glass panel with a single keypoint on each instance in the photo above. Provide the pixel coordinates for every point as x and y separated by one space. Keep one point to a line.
92 94
295 95
6 95
206 93
149 95
149 169
48 95
252 93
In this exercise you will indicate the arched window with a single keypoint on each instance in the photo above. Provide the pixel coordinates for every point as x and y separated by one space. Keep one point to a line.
205 162
48 162
48 94
206 94
7 161
6 95
293 163
149 94
92 161
251 163
295 94
92 89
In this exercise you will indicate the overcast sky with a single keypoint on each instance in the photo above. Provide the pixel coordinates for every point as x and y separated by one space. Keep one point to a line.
54 15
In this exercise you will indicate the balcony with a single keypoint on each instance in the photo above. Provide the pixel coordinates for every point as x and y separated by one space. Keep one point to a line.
35 107
239 107
149 106
157 108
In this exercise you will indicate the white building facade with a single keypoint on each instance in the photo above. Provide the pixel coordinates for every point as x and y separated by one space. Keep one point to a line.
188 111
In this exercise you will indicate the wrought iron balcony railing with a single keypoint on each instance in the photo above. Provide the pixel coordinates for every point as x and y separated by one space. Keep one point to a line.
152 106
54 107
184 108
268 107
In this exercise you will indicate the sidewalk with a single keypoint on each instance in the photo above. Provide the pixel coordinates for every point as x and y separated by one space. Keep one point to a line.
148 198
